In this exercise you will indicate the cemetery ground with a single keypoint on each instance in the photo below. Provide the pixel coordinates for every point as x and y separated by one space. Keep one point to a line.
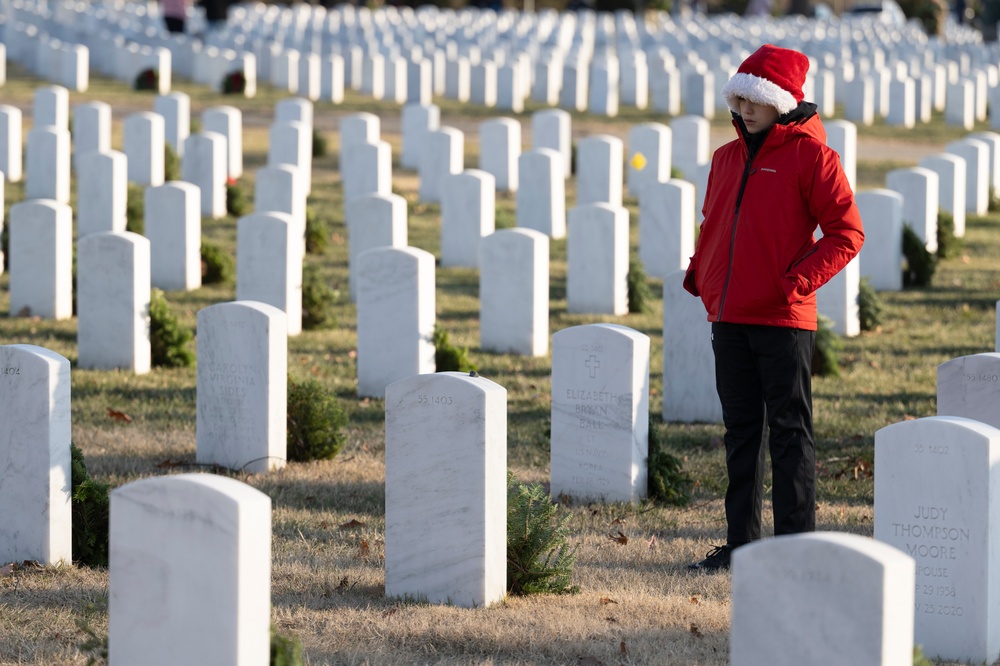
637 604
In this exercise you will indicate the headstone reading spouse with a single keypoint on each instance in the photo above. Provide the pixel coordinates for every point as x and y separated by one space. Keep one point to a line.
937 499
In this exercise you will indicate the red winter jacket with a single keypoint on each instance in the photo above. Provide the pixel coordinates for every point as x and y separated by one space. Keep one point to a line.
756 261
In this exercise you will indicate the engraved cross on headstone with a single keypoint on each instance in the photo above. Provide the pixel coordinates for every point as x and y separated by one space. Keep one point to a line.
592 364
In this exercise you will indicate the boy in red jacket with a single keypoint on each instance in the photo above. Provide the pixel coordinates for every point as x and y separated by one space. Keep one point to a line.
757 268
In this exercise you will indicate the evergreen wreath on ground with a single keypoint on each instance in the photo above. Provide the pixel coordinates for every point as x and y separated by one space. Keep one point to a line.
234 83
147 79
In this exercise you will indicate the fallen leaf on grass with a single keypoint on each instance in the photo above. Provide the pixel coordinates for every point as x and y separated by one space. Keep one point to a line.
612 619
623 649
390 612
354 522
119 415
169 463
695 599
363 548
621 539
618 521
696 631
324 525
607 600
6 570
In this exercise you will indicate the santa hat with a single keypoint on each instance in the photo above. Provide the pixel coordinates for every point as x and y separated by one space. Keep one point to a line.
771 75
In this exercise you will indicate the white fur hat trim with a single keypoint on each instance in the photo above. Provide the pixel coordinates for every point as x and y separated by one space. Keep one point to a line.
758 91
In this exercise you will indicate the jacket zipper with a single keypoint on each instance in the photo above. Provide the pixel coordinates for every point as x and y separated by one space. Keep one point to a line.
747 171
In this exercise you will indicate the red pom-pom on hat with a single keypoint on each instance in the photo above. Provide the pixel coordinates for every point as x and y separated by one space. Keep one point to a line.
771 75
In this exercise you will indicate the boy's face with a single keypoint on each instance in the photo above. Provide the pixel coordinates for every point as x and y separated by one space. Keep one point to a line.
757 117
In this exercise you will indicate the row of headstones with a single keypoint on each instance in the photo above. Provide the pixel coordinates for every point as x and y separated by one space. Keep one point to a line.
578 84
32 39
499 74
934 497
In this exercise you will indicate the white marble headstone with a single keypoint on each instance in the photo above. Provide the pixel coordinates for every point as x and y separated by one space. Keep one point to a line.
599 170
600 413
690 145
919 188
443 155
91 129
514 292
951 186
373 220
445 473
937 499
10 143
291 143
242 380
143 137
175 108
499 151
666 226
689 393
35 437
41 259
102 192
47 168
204 164
190 572
969 386
269 264
847 596
881 256
227 121
541 198
649 156
113 301
366 168
550 128
395 317
172 223
417 121
597 257
468 209
976 155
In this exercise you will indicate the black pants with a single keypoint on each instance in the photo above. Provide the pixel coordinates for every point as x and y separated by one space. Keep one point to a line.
762 374
174 23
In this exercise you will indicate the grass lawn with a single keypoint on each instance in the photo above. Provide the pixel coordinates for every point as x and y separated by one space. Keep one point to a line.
637 604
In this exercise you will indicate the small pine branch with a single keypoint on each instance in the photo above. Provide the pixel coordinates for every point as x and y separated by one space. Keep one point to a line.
826 355
870 307
449 357
667 481
318 300
169 341
315 422
90 508
949 245
639 293
135 209
539 558
217 267
920 263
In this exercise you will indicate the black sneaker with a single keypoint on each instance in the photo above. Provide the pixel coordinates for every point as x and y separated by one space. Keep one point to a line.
716 559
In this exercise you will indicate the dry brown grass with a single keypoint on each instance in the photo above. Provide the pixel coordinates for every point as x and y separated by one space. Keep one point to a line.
637 605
